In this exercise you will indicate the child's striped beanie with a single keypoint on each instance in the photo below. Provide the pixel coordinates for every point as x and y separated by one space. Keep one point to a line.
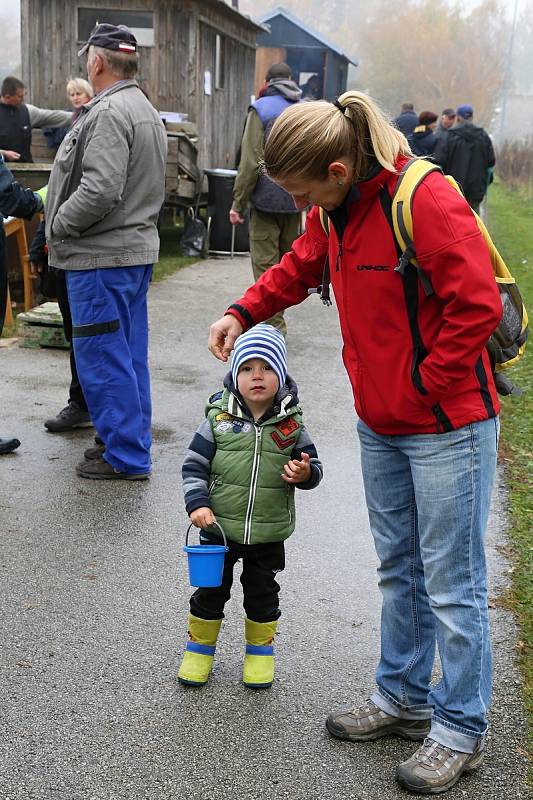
261 341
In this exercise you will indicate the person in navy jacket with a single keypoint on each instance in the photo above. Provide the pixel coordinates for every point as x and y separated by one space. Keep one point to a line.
15 201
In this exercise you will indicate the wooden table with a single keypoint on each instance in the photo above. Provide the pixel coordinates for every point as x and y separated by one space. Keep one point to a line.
15 227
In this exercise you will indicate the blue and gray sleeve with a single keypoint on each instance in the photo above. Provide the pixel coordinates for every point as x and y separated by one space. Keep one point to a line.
15 200
196 468
306 445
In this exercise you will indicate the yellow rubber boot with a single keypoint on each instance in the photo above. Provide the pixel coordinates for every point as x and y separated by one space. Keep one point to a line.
197 660
258 669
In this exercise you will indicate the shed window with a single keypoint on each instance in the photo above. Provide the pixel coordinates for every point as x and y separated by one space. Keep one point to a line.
140 23
220 61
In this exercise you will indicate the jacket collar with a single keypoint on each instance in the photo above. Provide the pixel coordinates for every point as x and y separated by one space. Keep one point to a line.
285 401
115 87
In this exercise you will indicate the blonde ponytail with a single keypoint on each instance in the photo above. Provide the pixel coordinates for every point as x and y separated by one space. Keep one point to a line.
387 142
308 137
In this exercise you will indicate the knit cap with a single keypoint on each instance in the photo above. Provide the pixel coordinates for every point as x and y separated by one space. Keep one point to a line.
261 341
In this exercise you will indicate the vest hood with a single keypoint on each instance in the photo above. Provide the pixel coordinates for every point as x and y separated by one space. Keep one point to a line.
285 87
286 399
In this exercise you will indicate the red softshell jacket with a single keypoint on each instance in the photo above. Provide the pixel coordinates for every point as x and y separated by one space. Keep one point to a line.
455 384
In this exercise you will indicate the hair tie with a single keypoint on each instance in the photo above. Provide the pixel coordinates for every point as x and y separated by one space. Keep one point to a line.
339 106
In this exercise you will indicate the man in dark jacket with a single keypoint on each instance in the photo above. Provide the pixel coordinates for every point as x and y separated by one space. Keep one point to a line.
18 118
447 121
407 120
467 154
274 221
15 201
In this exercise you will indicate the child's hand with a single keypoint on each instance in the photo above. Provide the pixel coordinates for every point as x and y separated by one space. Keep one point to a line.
202 517
297 471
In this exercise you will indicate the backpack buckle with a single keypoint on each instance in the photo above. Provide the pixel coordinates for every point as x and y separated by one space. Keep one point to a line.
324 294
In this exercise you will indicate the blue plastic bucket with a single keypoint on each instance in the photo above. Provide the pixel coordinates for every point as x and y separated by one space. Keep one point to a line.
205 561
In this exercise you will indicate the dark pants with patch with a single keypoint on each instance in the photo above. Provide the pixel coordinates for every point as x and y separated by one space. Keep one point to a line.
75 391
260 565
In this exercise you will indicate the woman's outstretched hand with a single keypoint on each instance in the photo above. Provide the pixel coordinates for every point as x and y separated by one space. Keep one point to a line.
222 335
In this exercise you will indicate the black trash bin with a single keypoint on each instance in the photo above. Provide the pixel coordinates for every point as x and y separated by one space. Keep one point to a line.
219 199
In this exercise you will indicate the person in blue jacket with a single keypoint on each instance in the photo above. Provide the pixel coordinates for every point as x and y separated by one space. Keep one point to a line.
15 201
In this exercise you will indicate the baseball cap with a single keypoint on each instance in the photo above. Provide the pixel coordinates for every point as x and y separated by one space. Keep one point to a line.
111 37
465 111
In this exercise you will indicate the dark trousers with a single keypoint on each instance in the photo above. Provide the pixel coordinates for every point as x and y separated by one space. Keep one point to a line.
260 565
75 390
3 276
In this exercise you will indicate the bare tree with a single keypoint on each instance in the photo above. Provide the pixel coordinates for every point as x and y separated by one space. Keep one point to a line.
434 56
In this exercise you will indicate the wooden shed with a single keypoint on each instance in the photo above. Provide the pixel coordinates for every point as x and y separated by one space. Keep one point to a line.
307 53
197 57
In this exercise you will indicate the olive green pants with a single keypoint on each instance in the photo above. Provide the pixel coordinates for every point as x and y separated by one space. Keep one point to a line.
271 235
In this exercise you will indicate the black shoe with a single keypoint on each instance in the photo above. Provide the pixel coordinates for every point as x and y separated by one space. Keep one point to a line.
97 451
69 418
8 445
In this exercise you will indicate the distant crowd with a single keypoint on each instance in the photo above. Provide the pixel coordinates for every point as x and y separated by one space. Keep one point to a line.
461 148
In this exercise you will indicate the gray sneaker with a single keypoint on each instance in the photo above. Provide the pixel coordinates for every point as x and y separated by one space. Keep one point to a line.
69 418
434 768
369 722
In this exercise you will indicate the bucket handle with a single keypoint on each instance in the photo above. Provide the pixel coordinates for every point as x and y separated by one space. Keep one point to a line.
219 526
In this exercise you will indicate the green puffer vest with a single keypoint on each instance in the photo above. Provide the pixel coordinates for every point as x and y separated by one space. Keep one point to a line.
248 496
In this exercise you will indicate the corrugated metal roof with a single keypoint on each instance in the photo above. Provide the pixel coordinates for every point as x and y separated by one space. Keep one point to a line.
280 11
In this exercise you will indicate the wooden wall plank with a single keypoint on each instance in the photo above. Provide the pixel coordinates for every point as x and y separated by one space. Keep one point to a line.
171 72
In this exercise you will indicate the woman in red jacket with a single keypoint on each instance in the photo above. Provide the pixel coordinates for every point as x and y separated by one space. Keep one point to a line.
427 408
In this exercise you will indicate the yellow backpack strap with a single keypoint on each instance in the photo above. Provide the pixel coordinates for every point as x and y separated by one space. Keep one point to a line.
324 220
507 286
412 174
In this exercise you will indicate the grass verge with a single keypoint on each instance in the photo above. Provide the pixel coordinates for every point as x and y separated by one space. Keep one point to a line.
510 220
170 258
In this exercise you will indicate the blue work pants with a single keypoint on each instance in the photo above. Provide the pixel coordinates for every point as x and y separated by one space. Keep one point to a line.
110 339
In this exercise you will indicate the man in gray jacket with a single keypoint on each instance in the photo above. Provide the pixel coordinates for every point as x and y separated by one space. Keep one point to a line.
105 192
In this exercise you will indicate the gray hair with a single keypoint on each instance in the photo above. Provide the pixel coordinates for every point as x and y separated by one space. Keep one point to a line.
123 65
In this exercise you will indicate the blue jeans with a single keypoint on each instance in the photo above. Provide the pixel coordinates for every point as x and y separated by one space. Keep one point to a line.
428 498
110 340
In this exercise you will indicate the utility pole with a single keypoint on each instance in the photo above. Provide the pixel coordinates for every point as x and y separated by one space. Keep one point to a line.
507 75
